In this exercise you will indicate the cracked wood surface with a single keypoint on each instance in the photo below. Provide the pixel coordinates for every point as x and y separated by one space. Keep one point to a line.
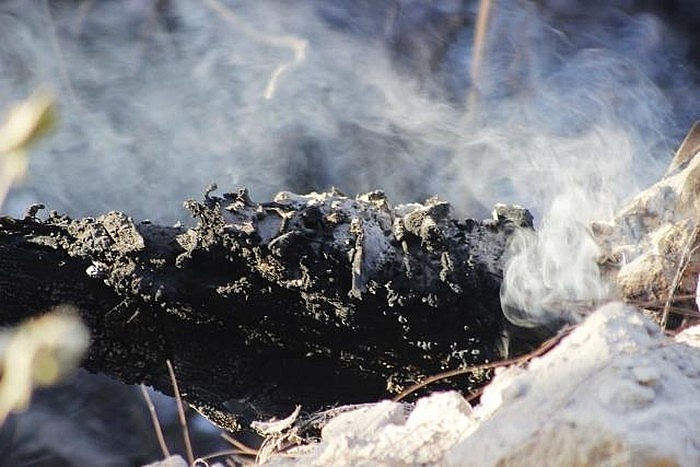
314 300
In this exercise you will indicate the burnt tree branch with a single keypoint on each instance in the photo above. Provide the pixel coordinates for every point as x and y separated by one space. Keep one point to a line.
314 299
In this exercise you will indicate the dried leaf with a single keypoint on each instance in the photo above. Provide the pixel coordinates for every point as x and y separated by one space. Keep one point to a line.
38 353
27 121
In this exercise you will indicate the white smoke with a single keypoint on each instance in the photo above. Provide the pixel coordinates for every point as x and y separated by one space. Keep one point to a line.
568 122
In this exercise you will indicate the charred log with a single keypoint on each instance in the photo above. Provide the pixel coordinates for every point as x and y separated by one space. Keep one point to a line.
314 300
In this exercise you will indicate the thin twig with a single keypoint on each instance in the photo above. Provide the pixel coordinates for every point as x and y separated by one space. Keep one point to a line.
653 306
243 448
659 302
214 455
546 346
63 70
682 266
482 22
592 304
181 414
684 312
297 45
156 423
474 394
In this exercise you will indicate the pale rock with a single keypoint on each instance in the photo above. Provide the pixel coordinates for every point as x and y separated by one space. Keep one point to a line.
616 391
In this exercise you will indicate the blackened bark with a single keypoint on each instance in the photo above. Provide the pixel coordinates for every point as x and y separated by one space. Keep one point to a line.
312 300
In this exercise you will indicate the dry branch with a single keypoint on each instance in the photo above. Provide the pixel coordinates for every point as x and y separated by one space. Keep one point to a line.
317 299
312 300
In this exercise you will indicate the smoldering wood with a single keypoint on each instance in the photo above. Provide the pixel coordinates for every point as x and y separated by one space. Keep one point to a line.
314 300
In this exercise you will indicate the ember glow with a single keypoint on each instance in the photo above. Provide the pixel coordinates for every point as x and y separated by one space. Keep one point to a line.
564 107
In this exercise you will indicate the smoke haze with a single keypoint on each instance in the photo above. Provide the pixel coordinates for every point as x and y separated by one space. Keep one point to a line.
574 106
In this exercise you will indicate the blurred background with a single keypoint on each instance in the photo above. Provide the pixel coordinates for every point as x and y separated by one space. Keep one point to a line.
566 107
158 98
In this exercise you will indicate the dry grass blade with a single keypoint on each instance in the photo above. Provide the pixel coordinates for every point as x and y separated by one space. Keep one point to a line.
682 265
297 45
482 22
156 423
39 353
656 303
62 68
242 448
684 312
181 414
653 307
542 349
